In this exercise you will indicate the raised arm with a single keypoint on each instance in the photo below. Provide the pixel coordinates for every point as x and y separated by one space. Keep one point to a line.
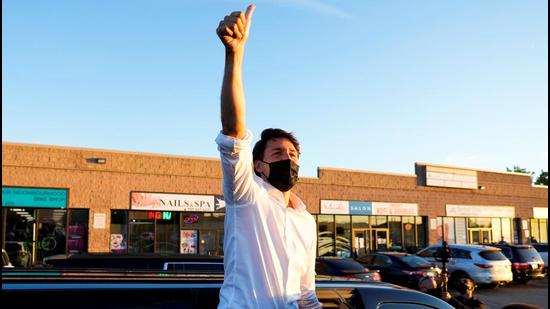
233 32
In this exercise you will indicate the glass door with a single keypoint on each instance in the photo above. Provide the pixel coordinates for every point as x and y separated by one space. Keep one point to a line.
379 239
481 236
361 242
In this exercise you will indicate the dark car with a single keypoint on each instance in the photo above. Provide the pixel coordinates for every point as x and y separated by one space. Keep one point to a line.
400 268
343 268
526 261
95 289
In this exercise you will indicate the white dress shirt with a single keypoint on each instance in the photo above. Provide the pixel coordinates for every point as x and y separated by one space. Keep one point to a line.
269 249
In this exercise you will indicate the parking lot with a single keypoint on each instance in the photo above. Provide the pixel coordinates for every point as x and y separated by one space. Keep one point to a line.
535 293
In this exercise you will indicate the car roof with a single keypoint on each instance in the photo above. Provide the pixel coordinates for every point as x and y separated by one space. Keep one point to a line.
466 247
394 253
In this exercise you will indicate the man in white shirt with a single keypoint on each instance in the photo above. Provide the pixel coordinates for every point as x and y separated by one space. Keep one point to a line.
270 239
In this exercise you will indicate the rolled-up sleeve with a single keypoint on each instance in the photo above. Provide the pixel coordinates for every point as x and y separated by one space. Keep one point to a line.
238 173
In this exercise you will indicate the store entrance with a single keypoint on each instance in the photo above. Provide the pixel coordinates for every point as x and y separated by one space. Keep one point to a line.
379 239
361 242
366 241
481 236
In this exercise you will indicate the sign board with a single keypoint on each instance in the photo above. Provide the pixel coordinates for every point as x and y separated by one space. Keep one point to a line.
480 211
34 197
451 177
176 202
368 208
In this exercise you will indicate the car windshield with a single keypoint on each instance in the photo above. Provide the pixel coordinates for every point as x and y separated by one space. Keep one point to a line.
415 261
528 254
493 255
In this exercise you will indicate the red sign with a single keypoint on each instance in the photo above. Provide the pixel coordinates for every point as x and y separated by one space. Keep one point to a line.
191 219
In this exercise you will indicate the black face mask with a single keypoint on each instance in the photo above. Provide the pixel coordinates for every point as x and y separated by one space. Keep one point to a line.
283 174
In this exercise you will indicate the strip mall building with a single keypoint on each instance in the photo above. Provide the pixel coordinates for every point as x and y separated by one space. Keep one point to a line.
58 200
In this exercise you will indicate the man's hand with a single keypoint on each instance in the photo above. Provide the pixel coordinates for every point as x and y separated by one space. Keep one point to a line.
234 28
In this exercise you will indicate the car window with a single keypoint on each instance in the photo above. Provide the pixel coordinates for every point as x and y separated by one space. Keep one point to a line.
528 254
381 260
541 247
427 253
507 252
415 261
493 255
460 254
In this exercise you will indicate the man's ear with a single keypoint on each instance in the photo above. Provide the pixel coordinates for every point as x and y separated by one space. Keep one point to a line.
258 168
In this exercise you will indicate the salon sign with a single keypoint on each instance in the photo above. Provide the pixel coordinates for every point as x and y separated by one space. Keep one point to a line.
368 208
176 202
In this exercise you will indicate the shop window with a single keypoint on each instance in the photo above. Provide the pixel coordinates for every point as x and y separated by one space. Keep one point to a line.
343 236
396 234
379 222
421 231
539 230
449 230
461 231
360 222
167 232
211 234
141 233
52 233
409 239
119 231
20 224
326 235
78 231
506 229
479 223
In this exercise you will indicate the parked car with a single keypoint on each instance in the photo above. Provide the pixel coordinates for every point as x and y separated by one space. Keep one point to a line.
483 264
339 268
527 263
401 268
542 249
95 289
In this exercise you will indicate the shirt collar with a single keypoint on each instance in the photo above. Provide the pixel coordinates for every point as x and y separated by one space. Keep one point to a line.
294 199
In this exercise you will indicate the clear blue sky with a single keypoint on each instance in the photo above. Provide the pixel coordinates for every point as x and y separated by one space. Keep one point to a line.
365 85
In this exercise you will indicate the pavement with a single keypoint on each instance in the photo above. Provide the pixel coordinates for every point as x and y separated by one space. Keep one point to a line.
535 292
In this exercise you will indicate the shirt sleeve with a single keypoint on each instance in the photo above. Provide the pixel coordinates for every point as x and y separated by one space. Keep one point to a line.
308 297
237 169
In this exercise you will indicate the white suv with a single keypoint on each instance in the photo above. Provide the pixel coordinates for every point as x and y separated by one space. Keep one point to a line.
483 264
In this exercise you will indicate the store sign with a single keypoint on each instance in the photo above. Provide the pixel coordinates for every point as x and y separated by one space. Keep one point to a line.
160 215
451 177
173 202
540 212
368 208
480 211
34 197
191 219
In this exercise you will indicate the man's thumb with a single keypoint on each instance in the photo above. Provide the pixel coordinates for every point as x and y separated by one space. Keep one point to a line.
248 15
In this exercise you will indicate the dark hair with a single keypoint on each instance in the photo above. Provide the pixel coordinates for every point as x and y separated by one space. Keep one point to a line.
268 134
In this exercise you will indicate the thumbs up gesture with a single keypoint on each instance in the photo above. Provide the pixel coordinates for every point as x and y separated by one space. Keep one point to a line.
233 30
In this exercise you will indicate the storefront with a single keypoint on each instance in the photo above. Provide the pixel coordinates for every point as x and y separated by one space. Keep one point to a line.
169 224
63 200
357 228
476 224
38 224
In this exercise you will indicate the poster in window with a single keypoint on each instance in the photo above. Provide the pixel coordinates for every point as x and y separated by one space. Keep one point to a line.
188 241
118 243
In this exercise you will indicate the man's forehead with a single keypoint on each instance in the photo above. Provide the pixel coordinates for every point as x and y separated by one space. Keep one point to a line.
280 142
